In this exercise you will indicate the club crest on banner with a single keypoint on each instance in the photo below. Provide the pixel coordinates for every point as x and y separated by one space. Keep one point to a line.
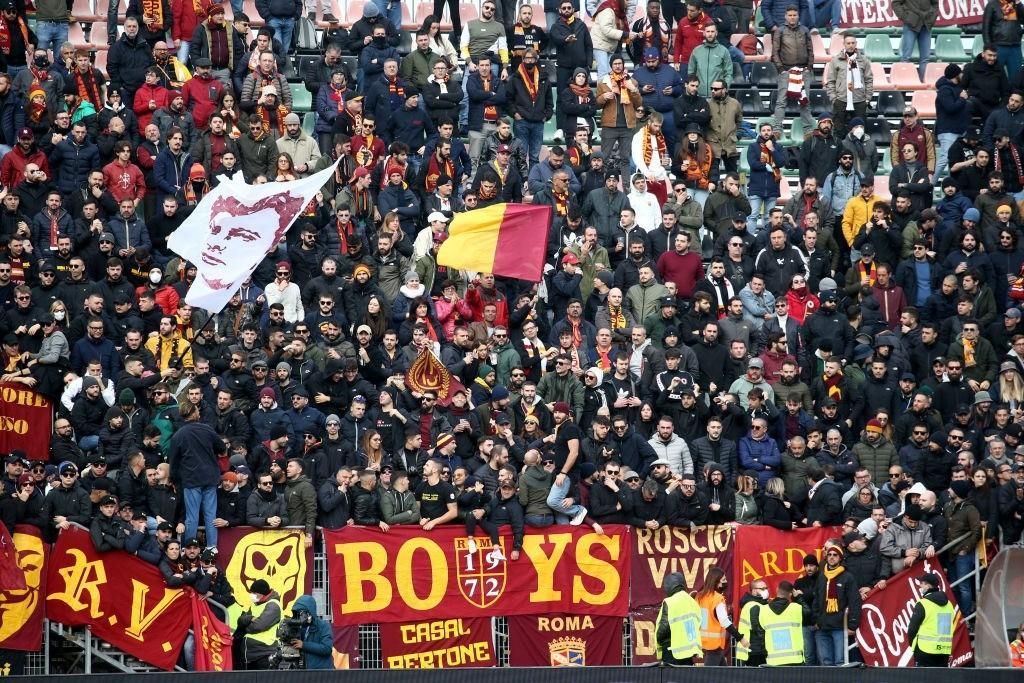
568 652
17 607
482 575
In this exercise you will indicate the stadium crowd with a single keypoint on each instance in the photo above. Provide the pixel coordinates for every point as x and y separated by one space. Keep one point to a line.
698 352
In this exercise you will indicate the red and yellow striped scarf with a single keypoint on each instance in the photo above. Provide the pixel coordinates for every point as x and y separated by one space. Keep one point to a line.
532 81
648 149
154 8
282 111
395 88
434 171
5 34
88 89
832 386
490 111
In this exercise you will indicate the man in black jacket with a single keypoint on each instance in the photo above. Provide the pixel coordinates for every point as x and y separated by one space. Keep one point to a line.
610 499
825 504
836 608
366 501
108 530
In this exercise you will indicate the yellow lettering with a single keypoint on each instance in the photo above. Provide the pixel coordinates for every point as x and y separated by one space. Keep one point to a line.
769 560
596 568
749 573
643 638
83 577
142 620
436 575
643 542
409 633
545 564
357 576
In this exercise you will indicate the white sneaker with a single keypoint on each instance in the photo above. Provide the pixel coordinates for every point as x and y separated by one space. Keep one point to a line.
497 554
471 545
578 518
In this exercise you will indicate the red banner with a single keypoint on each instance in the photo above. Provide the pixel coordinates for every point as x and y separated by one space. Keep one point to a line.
278 556
442 644
882 634
692 551
212 636
565 640
874 13
405 574
22 610
644 642
763 552
346 647
26 421
123 599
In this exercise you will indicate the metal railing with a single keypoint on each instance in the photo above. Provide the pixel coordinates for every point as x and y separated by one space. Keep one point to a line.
974 575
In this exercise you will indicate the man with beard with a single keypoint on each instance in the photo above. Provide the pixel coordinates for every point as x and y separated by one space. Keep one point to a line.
692 107
911 175
25 153
820 151
619 96
603 207
828 323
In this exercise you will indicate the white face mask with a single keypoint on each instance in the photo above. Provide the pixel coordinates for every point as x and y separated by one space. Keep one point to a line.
255 597
858 132
58 315
155 278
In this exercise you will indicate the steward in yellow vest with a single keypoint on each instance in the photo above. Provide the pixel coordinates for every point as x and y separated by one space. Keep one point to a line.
678 630
258 626
783 624
932 623
750 644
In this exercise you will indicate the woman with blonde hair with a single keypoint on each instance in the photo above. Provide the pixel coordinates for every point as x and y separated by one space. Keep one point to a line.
1011 386
747 509
776 511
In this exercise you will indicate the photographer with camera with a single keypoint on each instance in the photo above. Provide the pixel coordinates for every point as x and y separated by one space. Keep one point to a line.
257 627
313 642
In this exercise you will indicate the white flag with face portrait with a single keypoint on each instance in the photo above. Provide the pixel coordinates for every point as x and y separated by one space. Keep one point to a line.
232 229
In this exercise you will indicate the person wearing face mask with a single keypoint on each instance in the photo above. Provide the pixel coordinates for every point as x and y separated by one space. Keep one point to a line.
38 75
862 150
715 621
259 625
750 649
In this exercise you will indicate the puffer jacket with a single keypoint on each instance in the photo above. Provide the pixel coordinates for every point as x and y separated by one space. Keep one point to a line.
533 491
259 509
762 456
73 163
664 76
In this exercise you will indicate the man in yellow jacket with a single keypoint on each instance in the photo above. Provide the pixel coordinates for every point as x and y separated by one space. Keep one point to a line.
857 213
678 630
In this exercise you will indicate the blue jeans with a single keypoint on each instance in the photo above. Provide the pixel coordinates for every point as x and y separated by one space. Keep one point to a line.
50 35
737 56
236 7
830 644
206 498
946 141
757 205
810 647
89 443
532 135
539 521
183 51
602 58
1009 57
962 565
283 28
555 497
923 39
394 15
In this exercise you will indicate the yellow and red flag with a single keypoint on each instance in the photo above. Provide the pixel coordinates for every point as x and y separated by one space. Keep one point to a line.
504 239
427 373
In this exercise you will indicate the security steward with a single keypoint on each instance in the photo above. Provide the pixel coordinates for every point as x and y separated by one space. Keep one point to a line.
750 645
678 632
931 624
783 624
257 628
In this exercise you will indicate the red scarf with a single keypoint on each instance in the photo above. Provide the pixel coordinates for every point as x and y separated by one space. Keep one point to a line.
5 34
616 7
490 111
395 89
434 170
561 202
532 81
768 158
88 89
1015 155
832 388
282 111
345 231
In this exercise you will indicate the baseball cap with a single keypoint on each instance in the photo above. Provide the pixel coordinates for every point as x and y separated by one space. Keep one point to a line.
25 134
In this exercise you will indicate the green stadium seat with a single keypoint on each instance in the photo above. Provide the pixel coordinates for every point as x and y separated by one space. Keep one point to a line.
302 99
950 48
977 45
309 123
878 48
885 165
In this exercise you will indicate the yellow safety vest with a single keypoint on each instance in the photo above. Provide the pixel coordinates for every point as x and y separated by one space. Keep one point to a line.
712 633
269 636
683 614
744 627
935 637
783 635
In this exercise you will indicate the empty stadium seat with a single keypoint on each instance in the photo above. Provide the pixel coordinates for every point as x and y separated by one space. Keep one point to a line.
306 36
255 20
881 78
820 53
882 187
878 48
891 103
933 72
885 165
949 47
764 75
751 102
85 11
539 19
924 102
309 123
354 10
879 130
302 99
77 37
904 76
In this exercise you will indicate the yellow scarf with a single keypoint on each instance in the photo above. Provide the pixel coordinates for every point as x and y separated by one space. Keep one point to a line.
969 360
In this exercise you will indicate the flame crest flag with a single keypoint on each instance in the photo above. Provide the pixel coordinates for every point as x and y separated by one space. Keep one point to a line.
504 239
427 373
233 228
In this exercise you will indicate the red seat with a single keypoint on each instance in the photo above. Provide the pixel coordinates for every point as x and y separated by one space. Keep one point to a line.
924 102
539 19
76 36
98 36
764 41
84 10
354 11
100 60
255 20
882 187
933 72
407 22
881 79
821 55
835 43
904 76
